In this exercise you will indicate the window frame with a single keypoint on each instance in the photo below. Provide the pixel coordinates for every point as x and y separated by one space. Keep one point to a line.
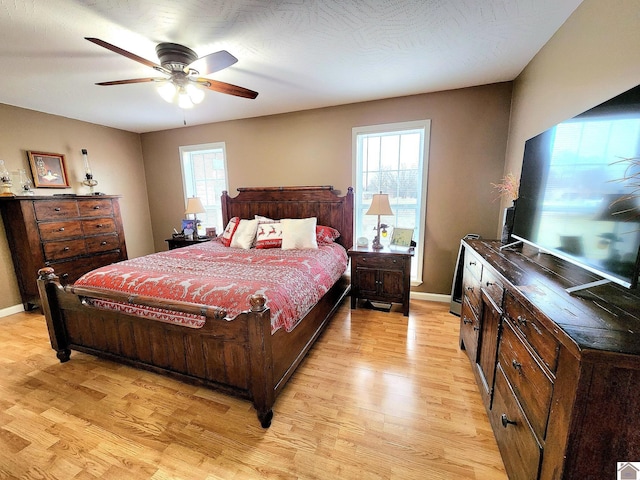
188 179
390 128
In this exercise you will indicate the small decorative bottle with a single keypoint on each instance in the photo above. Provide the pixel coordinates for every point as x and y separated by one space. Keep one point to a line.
25 183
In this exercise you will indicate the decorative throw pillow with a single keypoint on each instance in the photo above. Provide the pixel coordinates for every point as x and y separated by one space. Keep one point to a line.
299 233
230 229
269 234
245 234
326 234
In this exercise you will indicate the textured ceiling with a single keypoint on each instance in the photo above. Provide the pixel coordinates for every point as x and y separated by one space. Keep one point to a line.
298 54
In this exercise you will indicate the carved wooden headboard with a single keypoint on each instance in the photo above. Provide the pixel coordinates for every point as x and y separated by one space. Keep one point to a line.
321 202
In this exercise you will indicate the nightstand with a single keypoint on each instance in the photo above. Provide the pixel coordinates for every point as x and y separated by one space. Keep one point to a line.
180 242
381 275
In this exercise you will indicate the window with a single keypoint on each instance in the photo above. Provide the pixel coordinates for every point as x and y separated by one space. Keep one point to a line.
393 159
204 172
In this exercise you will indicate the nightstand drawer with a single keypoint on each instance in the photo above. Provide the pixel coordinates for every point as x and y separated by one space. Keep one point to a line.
388 262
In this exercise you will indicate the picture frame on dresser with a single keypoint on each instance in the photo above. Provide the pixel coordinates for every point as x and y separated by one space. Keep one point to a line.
48 170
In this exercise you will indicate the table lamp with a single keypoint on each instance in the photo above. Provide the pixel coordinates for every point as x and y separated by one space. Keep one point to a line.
379 206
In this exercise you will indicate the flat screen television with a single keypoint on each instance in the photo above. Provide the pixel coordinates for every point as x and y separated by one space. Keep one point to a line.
579 196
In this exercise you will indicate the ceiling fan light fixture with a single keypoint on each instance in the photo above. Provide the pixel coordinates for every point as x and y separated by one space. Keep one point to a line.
167 91
195 93
184 100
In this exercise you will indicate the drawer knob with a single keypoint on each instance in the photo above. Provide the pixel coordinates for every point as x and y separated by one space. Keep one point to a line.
517 365
66 249
476 328
506 422
57 209
466 321
470 289
472 263
64 275
490 283
103 243
61 229
99 225
97 207
521 320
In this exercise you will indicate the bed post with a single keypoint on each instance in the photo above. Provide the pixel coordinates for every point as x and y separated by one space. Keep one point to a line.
47 286
261 359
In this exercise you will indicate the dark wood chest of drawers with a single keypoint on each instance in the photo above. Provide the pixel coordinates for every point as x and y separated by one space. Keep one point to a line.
73 234
559 374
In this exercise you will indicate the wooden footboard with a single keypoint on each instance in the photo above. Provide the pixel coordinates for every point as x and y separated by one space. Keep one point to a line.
239 357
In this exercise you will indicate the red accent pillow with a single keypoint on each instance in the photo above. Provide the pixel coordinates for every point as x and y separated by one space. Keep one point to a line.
326 234
227 235
269 234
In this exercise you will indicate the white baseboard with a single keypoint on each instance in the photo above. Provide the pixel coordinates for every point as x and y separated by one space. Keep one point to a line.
5 312
431 297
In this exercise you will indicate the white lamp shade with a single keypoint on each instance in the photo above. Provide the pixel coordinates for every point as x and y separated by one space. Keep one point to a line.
167 91
194 205
196 94
380 205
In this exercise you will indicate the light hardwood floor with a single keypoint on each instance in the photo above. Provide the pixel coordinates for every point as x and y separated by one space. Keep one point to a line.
380 396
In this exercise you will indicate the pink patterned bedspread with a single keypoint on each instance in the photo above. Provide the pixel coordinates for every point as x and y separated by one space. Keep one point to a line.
214 275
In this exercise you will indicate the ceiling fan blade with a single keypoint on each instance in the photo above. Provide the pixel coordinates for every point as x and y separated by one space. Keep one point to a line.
213 62
132 80
130 55
227 88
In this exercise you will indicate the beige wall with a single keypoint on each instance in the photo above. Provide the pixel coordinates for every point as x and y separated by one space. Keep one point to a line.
594 56
314 147
116 160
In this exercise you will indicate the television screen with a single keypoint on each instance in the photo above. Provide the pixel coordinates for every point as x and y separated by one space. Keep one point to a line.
579 193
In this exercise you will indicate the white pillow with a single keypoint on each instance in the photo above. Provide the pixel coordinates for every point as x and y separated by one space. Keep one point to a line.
245 234
299 233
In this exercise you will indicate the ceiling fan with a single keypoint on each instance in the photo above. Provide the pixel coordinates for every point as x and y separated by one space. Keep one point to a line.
184 81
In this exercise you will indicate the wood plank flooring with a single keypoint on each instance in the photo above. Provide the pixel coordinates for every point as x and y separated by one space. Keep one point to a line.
380 396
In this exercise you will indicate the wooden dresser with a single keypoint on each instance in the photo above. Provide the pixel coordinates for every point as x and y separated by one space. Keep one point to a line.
559 374
71 233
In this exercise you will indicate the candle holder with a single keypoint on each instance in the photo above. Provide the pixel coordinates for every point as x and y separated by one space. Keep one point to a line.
88 176
5 178
90 182
25 183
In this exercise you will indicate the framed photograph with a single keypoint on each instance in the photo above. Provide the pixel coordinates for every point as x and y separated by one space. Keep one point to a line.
211 232
48 170
402 237
188 226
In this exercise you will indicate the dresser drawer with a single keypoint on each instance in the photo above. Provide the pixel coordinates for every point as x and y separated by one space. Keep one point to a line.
71 270
97 226
102 243
472 265
540 339
471 290
95 207
529 382
63 249
59 230
387 262
492 286
59 209
518 446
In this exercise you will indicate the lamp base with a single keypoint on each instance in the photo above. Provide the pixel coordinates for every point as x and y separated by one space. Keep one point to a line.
376 245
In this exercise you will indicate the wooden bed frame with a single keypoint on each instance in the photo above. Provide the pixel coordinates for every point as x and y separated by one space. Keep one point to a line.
240 357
